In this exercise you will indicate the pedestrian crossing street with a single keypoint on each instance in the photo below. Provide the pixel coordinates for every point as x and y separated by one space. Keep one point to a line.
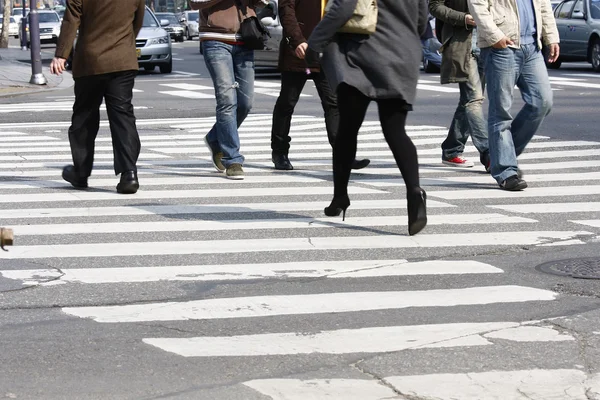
188 224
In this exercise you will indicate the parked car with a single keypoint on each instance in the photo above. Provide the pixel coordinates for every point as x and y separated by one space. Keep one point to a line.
175 28
153 45
578 24
17 13
13 27
190 22
49 27
269 56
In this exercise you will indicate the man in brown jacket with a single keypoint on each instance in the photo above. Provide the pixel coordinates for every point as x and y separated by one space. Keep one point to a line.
104 67
299 18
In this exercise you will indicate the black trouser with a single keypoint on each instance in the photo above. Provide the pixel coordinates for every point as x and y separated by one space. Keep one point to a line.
117 91
292 84
392 116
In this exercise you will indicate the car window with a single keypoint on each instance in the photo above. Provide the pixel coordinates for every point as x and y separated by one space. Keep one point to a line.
578 10
149 20
193 16
169 17
565 9
595 9
49 17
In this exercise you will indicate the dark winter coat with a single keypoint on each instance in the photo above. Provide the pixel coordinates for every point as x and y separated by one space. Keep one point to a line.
456 39
298 19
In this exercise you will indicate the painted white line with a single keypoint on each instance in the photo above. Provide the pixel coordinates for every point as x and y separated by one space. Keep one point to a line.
78 195
536 384
496 193
264 306
550 208
562 144
590 222
530 334
188 86
561 165
245 272
188 94
195 209
563 82
5 140
487 239
558 154
347 389
441 89
267 224
44 107
68 157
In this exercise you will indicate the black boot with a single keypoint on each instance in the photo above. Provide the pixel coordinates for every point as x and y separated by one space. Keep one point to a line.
417 212
282 162
70 175
129 183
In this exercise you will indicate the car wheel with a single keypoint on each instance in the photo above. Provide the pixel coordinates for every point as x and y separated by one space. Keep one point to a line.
180 38
149 68
166 68
596 55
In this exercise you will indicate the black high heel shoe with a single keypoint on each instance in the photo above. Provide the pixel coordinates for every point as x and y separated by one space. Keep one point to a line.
338 206
417 212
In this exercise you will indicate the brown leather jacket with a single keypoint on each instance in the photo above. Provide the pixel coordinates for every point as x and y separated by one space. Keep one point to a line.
298 19
222 16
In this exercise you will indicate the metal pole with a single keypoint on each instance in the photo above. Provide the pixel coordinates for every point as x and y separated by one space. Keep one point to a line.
24 28
37 78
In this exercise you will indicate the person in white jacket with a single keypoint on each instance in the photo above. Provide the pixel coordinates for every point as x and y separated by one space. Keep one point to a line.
511 34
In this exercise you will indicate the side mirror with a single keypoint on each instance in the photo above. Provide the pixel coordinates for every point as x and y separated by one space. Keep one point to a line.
578 14
182 20
270 10
164 22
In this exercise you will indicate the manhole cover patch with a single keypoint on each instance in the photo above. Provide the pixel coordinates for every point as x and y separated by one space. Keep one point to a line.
581 268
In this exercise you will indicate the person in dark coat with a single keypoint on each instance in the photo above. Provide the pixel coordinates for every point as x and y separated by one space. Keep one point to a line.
104 67
382 67
298 19
461 63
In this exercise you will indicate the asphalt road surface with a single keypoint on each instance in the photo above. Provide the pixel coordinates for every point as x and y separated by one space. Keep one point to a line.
199 287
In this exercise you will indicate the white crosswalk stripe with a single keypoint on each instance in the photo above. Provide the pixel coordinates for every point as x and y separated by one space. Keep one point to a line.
188 224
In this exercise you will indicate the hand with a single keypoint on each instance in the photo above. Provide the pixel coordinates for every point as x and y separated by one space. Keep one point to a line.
469 20
301 50
503 43
553 52
58 65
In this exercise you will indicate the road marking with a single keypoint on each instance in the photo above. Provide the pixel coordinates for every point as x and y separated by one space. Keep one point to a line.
249 272
550 208
495 193
188 86
264 306
188 94
487 239
590 222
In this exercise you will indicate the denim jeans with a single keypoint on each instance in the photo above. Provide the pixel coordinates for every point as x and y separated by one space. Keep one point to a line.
468 118
505 68
231 68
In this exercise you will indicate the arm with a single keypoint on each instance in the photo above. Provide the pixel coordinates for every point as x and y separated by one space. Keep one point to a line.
68 30
340 12
549 29
289 22
488 30
138 21
440 10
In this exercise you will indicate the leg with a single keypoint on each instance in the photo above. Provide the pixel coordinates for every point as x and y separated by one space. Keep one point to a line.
502 69
477 123
353 107
243 69
85 122
292 84
454 144
392 114
224 134
537 95
329 104
125 138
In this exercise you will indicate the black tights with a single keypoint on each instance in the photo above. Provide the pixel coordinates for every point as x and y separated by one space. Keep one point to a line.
392 116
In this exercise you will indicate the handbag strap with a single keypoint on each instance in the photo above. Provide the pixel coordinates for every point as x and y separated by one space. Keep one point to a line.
238 4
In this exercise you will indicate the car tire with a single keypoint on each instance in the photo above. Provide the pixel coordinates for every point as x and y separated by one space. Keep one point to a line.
180 39
166 68
595 55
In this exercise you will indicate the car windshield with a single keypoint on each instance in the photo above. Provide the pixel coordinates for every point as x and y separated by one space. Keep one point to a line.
49 17
149 20
169 17
18 11
595 9
193 16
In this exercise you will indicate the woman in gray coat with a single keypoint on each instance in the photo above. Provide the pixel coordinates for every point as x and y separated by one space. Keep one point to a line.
383 67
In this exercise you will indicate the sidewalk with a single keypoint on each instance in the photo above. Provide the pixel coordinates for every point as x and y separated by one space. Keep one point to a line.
15 73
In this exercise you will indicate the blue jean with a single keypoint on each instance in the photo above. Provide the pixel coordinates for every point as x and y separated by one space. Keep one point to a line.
231 68
505 68
468 118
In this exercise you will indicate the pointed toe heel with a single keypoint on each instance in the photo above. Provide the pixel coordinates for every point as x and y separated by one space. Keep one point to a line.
338 206
417 212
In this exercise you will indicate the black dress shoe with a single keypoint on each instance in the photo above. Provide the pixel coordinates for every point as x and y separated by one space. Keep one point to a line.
360 164
129 183
282 162
75 180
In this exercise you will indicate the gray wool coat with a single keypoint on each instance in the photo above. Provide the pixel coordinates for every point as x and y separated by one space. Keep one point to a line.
455 37
384 65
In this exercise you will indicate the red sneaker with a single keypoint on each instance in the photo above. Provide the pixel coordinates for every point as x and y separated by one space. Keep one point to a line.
458 161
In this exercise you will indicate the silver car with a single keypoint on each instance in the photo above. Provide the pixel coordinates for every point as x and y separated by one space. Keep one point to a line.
269 57
153 45
190 21
175 28
578 24
49 27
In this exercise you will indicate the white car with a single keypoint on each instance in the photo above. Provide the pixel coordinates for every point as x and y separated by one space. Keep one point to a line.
191 22
13 27
17 13
49 27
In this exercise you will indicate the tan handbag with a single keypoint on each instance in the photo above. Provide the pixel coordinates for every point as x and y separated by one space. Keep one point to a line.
364 19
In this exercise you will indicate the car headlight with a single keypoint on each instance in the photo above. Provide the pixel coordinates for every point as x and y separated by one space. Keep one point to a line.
56 30
160 40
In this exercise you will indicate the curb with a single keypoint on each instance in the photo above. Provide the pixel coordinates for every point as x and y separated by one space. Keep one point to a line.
65 83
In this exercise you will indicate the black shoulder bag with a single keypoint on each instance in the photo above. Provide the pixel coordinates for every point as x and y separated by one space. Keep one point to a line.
252 31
